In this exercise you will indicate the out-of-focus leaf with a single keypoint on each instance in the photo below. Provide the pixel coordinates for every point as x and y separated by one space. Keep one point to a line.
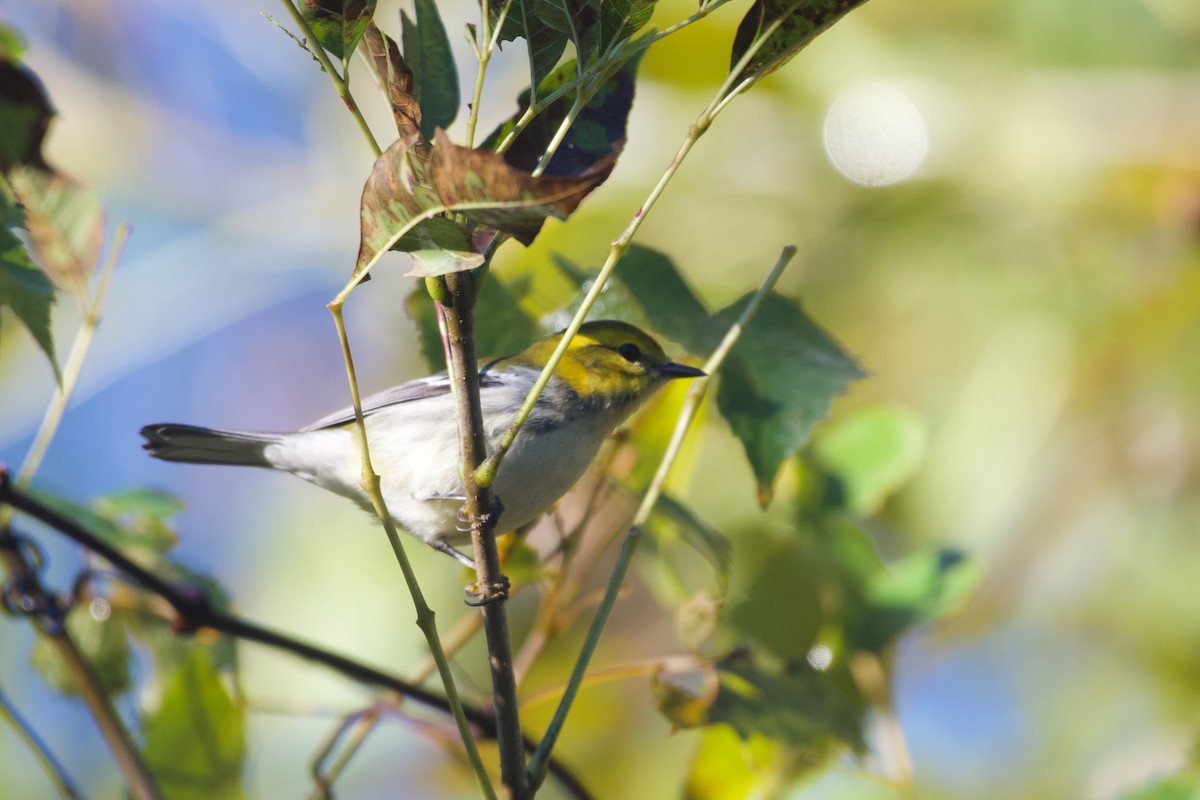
799 22
141 514
696 620
702 537
685 706
872 454
915 590
620 19
12 44
427 53
195 739
578 19
727 767
492 194
396 79
1183 786
778 382
676 312
501 327
65 222
338 24
598 130
132 519
775 601
102 643
26 290
798 706
545 44
25 114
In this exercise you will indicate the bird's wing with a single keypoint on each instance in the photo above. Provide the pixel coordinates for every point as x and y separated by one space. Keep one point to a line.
420 389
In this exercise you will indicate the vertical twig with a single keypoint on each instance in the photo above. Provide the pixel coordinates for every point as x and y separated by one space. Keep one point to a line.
464 370
425 615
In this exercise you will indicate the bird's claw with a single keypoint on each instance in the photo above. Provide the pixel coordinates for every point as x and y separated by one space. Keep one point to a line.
471 523
488 593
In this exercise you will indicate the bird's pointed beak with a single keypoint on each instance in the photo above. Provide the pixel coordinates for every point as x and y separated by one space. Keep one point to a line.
673 370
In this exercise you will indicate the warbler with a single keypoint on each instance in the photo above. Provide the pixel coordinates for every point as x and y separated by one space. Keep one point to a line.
607 372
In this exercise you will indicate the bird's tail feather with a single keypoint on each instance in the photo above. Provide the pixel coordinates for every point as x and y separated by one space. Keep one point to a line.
195 445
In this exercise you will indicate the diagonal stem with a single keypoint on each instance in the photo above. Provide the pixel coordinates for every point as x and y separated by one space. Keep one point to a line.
691 404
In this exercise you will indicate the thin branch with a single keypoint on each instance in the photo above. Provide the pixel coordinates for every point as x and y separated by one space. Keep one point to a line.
74 363
691 405
364 723
50 765
48 618
341 84
195 612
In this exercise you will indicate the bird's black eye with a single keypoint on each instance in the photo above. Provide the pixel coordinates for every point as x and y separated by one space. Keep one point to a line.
629 352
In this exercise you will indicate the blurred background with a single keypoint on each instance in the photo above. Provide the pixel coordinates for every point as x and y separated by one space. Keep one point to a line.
997 206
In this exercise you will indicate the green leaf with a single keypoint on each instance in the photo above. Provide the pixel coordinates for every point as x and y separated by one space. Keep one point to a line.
395 78
793 24
27 291
727 767
774 601
501 326
913 591
779 379
25 114
799 706
427 52
12 43
620 19
65 223
431 263
338 24
872 453
675 311
1183 786
778 382
710 543
578 19
597 133
544 44
195 739
101 640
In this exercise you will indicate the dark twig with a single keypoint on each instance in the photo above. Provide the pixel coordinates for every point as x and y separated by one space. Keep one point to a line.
482 509
195 612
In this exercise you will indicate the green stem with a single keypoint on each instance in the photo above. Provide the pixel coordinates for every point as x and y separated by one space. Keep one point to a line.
341 84
487 471
425 615
691 404
53 769
74 363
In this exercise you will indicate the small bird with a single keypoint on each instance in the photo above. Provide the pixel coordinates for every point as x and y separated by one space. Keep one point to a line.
607 372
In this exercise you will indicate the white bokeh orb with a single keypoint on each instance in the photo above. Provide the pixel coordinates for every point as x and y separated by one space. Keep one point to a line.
875 135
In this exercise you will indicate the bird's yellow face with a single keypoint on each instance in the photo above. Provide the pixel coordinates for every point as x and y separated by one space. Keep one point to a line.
608 360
